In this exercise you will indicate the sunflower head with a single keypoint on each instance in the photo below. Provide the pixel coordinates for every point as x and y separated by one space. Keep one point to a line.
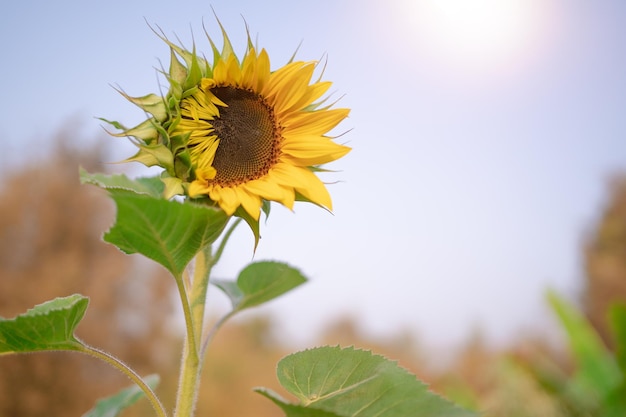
234 133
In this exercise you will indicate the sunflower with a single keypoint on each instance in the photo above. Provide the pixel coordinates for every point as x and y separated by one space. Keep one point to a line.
237 134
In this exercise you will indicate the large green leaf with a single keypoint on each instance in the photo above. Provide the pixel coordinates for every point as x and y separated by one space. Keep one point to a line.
614 405
47 326
597 373
260 282
331 381
618 326
152 186
112 406
168 232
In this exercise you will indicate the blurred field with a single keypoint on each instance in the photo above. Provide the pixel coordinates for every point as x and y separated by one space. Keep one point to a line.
50 229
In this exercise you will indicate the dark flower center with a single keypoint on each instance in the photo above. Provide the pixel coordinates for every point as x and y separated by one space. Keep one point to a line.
249 137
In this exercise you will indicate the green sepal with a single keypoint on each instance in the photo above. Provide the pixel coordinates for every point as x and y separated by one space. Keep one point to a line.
151 186
175 93
178 72
189 92
299 197
252 222
151 103
173 186
47 326
145 131
154 155
183 167
182 52
113 123
194 74
265 208
227 46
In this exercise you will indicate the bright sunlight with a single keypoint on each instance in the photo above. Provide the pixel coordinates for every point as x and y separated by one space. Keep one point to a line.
483 36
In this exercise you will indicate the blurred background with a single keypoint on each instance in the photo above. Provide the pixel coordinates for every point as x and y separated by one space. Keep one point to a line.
488 151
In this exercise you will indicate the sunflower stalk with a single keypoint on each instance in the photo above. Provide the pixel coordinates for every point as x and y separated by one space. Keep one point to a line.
193 358
190 365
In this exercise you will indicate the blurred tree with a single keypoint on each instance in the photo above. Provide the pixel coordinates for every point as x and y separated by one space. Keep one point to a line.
606 260
50 246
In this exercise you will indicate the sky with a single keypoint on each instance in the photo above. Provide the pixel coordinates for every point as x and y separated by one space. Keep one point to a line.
483 136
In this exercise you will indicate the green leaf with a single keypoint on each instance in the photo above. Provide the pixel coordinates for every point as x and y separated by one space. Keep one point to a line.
294 410
614 405
260 282
47 326
152 186
617 316
230 288
168 232
597 373
331 381
112 406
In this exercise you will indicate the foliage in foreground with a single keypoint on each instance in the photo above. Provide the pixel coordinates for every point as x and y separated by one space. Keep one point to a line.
325 381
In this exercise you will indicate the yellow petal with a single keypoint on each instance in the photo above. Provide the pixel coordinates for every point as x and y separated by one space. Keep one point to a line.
262 73
289 98
225 197
251 203
303 181
314 122
198 188
313 150
271 191
281 79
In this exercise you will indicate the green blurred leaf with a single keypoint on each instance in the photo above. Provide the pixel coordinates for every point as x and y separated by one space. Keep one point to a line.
617 316
168 232
597 373
47 326
331 381
614 405
152 186
260 282
112 406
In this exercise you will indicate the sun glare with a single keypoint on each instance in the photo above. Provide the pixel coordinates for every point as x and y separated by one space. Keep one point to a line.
478 35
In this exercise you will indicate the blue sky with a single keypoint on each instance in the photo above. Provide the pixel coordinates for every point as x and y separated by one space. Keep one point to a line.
482 140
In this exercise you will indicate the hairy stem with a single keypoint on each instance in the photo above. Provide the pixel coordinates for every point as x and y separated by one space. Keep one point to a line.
211 333
125 369
189 373
199 288
194 306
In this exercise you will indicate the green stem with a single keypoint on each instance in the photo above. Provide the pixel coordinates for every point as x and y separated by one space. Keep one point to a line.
125 369
194 308
220 248
189 373
213 331
199 288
